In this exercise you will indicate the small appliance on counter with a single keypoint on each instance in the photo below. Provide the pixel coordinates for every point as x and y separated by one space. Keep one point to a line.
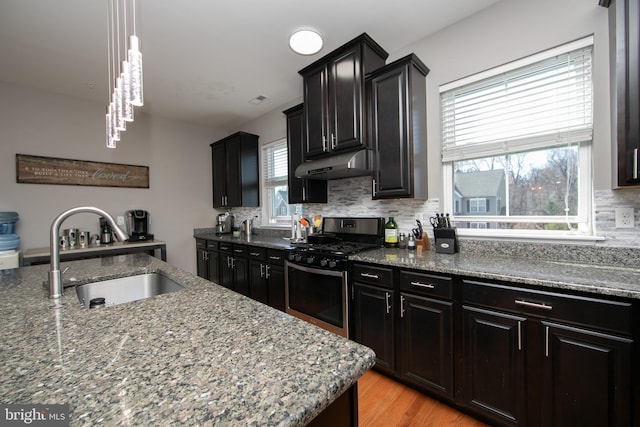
137 222
225 223
9 241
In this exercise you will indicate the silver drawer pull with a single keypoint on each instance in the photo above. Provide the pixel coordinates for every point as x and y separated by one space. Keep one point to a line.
276 258
238 251
254 253
423 285
369 275
533 304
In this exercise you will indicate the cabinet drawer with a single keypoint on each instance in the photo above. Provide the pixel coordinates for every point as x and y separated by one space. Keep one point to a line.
586 311
275 257
201 243
256 253
373 275
225 247
426 284
212 245
240 250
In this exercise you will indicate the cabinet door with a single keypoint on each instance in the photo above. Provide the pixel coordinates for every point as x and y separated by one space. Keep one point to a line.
202 263
226 270
389 137
374 323
494 364
214 266
275 287
234 173
315 112
258 281
346 101
300 190
426 341
241 275
587 377
219 164
627 58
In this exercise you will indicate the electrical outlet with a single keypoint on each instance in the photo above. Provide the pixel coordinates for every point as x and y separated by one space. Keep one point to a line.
120 220
625 217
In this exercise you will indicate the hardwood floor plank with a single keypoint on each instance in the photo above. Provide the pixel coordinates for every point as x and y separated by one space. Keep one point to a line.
383 402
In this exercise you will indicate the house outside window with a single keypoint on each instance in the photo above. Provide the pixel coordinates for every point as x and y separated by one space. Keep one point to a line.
276 210
516 145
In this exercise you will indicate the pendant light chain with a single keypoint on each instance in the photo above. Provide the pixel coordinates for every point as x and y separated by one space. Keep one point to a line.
125 83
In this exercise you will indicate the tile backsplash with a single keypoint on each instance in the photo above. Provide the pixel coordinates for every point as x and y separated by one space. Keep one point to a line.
352 197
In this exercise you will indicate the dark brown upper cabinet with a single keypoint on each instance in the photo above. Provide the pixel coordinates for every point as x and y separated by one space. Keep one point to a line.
334 97
235 171
300 190
624 19
397 110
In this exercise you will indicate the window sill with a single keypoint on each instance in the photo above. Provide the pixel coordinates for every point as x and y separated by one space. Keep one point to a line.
576 239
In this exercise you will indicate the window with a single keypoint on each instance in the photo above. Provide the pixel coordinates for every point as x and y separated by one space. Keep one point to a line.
516 145
276 209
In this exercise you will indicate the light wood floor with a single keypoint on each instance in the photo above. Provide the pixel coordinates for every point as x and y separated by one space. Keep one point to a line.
383 402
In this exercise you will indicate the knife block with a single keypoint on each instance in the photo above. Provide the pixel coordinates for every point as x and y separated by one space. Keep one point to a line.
446 240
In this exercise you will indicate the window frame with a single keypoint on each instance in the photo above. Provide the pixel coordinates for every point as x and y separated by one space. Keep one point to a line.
266 183
585 215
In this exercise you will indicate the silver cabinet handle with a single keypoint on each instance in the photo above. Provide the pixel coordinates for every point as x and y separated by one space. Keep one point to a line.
373 187
324 143
261 270
401 306
254 253
542 306
304 194
423 285
333 141
369 275
635 163
228 261
386 300
275 258
546 341
266 272
238 251
519 335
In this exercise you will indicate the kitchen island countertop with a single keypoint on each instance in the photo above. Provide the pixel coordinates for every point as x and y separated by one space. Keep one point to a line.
204 355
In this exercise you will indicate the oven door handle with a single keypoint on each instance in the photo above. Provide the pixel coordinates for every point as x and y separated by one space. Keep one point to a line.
314 270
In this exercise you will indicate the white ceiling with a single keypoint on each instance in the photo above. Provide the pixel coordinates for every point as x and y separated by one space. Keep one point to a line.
203 60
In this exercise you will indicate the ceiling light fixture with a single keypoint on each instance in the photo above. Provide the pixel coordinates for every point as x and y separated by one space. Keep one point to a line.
305 42
125 84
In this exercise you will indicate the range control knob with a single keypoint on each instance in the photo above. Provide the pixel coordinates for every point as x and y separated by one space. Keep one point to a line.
291 257
298 258
323 262
332 264
310 260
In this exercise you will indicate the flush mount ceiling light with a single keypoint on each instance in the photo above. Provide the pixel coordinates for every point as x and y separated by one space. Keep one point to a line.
305 42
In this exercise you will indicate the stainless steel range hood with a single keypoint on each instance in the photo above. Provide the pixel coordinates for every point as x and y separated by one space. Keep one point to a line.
344 165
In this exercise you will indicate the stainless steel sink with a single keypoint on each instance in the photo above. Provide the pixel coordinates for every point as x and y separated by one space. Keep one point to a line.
125 289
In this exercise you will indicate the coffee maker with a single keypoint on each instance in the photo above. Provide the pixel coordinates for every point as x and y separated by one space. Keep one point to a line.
225 223
137 222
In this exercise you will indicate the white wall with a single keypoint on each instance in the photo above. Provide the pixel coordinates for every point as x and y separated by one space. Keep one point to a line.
177 153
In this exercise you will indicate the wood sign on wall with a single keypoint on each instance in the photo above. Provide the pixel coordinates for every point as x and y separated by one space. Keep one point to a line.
51 170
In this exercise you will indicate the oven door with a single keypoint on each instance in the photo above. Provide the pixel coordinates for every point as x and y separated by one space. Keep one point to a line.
318 296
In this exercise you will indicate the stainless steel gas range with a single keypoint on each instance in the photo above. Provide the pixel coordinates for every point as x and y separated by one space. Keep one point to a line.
316 282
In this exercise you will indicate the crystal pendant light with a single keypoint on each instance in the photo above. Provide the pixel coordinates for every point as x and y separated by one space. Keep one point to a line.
127 106
135 64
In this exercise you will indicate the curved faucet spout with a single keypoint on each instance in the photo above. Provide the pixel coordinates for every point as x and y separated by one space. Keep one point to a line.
56 289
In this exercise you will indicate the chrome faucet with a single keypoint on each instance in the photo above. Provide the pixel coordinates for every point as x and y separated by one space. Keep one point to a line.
56 290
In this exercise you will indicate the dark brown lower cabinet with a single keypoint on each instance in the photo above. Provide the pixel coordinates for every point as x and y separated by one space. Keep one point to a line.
538 358
426 342
494 364
587 377
374 323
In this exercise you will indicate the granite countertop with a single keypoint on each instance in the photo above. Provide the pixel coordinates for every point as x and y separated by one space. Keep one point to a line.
254 240
598 279
204 355
602 279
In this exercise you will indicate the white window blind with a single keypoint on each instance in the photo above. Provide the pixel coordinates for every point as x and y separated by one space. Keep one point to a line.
275 163
544 103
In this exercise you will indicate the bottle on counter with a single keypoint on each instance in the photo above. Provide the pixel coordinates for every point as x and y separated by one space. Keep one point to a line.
402 241
411 243
391 233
